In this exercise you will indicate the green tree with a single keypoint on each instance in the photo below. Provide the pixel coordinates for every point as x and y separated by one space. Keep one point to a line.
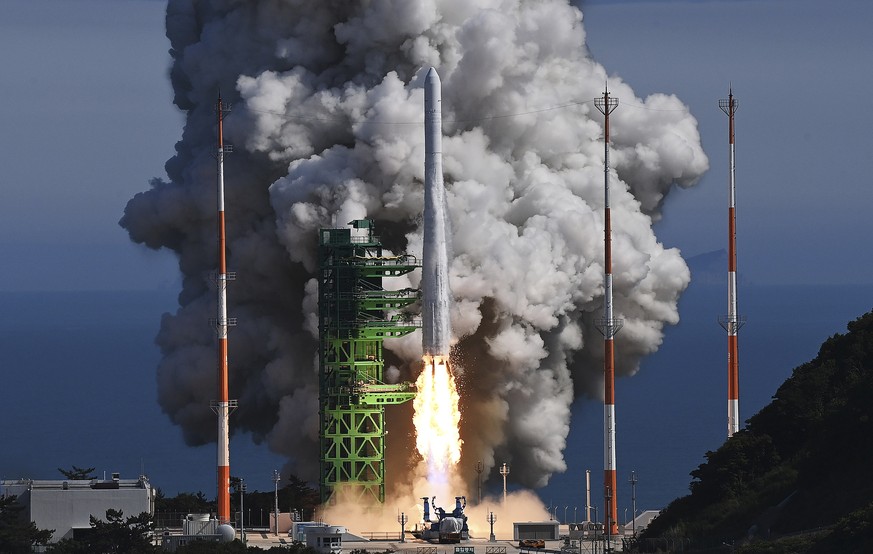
116 535
16 534
853 533
778 476
295 495
184 503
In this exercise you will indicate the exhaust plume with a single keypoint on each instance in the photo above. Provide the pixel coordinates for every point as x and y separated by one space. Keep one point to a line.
327 128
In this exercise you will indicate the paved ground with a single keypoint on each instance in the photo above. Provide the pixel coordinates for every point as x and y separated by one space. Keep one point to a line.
268 540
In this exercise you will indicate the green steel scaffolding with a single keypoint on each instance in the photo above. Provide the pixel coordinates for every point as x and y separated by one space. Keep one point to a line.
353 312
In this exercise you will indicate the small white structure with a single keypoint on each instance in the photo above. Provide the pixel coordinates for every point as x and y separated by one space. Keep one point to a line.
545 530
326 539
300 529
67 505
641 521
199 524
198 527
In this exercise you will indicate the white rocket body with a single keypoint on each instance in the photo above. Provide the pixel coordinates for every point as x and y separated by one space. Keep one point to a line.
436 325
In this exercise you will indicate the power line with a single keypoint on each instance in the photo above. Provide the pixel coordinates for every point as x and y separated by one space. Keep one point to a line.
344 118
378 122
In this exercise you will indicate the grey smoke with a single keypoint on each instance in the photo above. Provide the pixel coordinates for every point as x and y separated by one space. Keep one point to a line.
327 127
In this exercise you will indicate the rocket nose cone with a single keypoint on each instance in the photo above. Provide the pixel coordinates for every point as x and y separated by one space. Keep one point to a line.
432 76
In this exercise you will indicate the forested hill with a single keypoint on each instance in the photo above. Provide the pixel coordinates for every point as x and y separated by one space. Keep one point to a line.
803 463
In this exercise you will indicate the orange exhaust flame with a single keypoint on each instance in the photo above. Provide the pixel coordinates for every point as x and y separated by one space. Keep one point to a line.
437 419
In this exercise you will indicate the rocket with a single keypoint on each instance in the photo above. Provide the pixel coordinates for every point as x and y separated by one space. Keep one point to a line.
436 325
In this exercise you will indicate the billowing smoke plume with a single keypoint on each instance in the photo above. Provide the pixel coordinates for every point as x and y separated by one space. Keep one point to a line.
327 127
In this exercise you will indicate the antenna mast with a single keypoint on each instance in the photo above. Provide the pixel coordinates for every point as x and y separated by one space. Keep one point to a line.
504 471
609 326
223 405
732 322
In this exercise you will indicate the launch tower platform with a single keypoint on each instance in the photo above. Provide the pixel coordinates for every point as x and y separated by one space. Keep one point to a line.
353 312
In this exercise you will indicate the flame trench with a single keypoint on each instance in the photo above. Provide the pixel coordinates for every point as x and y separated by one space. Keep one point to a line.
437 419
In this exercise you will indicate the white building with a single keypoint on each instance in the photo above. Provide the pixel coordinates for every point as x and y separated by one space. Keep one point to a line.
326 539
67 505
545 530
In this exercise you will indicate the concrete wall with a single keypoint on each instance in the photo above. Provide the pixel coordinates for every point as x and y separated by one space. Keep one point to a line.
284 522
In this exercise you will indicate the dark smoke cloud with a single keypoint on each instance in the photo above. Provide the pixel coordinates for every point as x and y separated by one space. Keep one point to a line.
327 127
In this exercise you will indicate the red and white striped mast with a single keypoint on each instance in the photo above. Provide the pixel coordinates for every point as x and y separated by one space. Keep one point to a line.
732 322
609 326
224 405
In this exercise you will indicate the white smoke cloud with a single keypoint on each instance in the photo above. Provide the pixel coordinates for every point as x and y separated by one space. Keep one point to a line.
328 127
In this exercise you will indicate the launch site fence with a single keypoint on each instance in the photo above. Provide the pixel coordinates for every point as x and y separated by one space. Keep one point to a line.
455 550
255 519
447 550
578 547
169 520
382 535
593 545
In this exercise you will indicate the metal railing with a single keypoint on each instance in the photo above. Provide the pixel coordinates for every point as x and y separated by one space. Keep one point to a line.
382 535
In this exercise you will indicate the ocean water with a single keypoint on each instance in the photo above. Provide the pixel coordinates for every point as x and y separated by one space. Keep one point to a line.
78 388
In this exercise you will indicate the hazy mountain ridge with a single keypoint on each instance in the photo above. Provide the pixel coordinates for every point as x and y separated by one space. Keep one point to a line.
801 463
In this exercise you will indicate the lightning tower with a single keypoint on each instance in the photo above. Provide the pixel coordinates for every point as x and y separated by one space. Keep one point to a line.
223 405
609 326
732 322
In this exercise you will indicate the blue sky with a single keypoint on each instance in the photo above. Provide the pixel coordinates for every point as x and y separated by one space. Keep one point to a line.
88 119
800 70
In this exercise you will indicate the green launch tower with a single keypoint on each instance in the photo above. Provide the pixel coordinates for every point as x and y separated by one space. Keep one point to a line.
353 313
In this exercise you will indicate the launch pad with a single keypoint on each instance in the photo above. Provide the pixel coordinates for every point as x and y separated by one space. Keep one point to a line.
449 527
